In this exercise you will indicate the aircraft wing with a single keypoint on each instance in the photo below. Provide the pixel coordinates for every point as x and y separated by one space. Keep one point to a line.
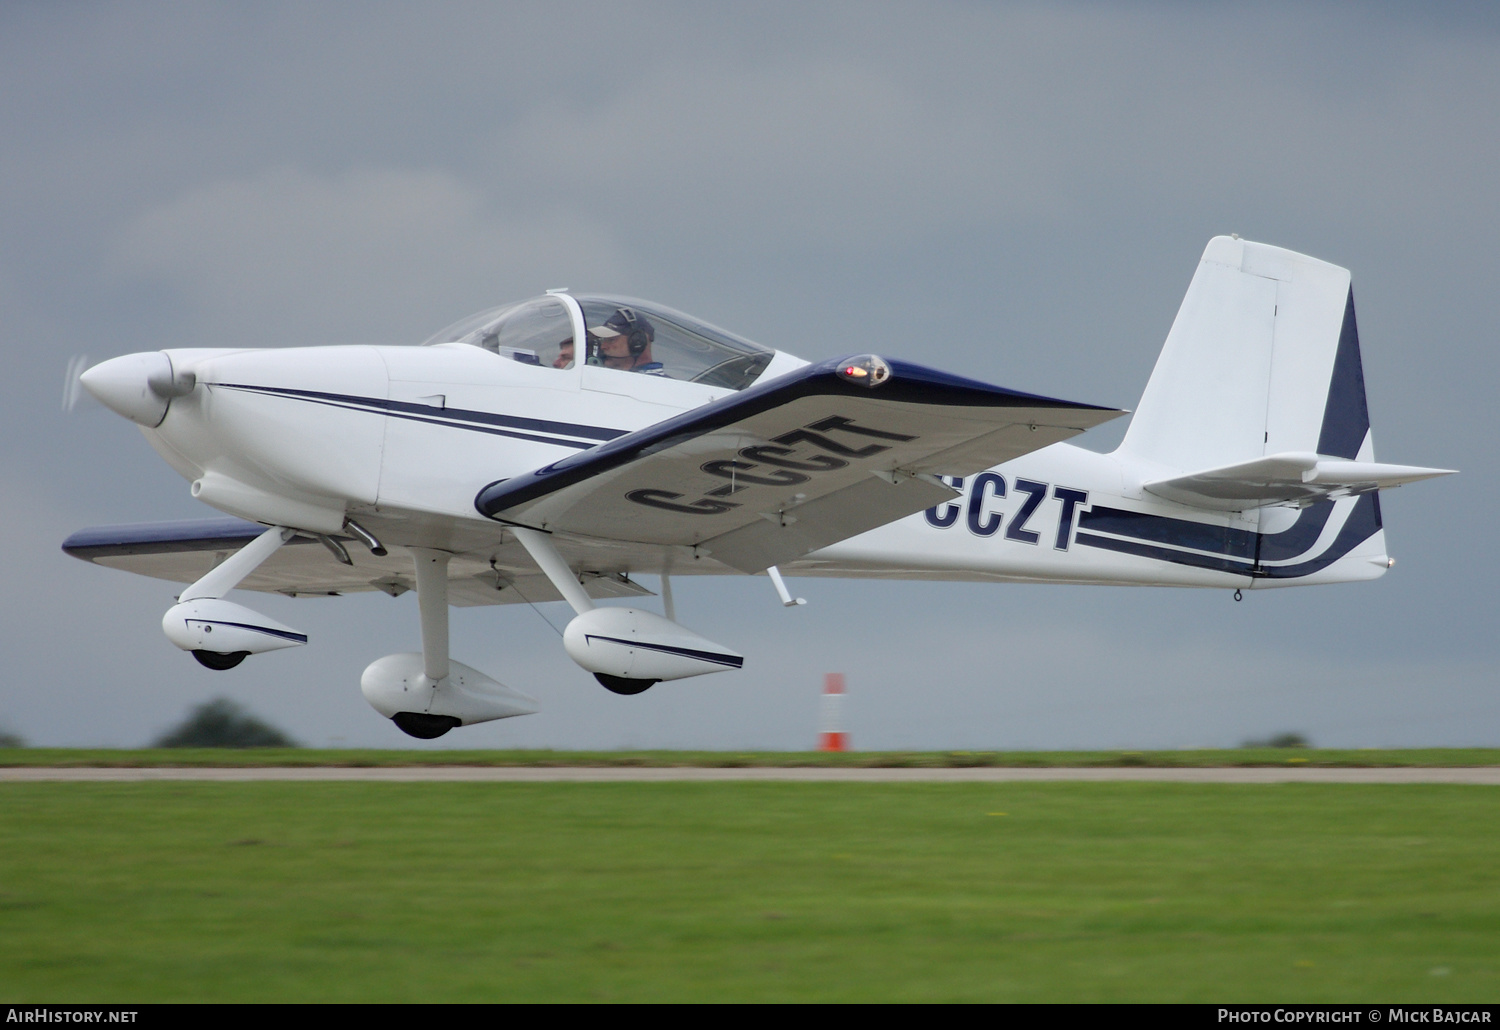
1287 478
786 467
184 551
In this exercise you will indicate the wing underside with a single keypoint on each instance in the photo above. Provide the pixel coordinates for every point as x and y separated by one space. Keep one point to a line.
183 552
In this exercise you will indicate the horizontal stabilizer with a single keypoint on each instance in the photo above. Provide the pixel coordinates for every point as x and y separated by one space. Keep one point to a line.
786 467
1292 477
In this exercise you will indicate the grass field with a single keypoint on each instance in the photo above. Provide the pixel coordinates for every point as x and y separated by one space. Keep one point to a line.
144 757
748 891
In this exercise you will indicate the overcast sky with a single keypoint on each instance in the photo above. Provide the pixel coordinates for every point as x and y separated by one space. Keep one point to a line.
1018 193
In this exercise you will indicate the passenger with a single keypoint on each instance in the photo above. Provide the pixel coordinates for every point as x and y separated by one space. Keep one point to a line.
564 357
624 342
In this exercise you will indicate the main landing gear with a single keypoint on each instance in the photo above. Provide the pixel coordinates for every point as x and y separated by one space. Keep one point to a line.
220 633
428 694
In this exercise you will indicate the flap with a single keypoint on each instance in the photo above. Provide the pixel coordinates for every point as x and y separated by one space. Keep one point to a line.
813 457
1289 478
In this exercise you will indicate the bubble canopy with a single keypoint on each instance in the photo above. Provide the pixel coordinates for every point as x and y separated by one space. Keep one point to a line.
618 332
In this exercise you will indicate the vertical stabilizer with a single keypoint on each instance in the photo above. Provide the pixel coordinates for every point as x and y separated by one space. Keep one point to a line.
1263 358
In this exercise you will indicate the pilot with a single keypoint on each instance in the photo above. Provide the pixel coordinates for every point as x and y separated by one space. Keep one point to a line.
624 342
564 357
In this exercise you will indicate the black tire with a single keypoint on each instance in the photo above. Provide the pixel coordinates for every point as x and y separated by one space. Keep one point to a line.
621 685
218 661
424 726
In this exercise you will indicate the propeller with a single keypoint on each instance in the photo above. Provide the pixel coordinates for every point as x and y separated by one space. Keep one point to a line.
72 381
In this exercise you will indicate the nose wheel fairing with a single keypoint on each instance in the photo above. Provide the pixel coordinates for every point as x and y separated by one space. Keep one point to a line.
397 686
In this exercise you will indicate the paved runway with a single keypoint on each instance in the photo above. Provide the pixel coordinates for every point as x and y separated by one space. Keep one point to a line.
601 774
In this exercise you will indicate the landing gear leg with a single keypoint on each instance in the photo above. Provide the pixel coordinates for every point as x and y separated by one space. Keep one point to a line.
227 575
432 602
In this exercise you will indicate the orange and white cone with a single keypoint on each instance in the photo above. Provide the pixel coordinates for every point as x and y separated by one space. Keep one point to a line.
834 738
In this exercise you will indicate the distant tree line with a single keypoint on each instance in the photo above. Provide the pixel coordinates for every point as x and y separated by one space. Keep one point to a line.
1280 740
222 723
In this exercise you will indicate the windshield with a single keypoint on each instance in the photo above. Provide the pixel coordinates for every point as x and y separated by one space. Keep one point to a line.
534 332
639 336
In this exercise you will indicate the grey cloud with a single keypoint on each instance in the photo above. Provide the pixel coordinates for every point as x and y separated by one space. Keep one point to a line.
821 152
370 255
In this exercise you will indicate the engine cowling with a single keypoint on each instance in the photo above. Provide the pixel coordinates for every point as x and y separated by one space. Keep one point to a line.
630 644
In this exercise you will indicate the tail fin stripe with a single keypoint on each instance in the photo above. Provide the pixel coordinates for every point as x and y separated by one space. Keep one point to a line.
1346 417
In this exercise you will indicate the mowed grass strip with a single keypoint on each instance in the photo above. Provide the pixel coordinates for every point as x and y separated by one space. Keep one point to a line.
365 757
748 891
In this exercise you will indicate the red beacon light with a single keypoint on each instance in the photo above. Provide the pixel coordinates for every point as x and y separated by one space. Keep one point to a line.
867 370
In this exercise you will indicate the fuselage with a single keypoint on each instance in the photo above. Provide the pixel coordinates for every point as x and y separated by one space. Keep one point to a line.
403 438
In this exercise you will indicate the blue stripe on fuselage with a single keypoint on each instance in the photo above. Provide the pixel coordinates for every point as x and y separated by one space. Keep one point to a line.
1363 522
514 426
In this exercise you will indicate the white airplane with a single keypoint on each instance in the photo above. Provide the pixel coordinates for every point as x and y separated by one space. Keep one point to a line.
555 448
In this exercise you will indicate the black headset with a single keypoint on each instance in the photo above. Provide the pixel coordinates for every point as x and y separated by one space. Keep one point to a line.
635 336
